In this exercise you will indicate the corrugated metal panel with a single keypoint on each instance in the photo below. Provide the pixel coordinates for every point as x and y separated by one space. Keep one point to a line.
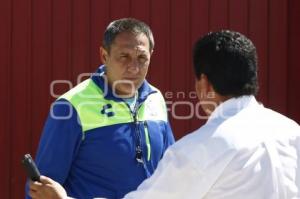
54 41
5 97
293 96
258 11
277 55
20 86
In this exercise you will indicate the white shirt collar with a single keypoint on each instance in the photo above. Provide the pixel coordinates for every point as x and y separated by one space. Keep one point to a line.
232 106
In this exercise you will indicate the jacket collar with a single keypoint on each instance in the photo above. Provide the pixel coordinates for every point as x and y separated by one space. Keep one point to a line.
98 77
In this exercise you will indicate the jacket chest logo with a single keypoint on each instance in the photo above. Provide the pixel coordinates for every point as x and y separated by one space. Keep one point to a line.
107 110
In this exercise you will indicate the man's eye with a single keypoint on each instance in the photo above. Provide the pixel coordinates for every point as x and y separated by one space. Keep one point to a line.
143 59
123 56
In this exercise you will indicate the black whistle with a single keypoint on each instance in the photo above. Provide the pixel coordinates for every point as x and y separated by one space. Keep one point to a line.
139 155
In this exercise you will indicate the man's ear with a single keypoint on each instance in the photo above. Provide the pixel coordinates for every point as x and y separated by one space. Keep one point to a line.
103 55
203 87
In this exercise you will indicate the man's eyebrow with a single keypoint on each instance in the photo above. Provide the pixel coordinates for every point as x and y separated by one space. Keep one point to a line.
141 50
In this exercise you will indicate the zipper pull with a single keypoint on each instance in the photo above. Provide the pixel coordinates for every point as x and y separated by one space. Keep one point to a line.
139 155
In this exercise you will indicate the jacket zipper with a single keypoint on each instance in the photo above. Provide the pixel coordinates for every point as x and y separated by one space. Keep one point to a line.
138 143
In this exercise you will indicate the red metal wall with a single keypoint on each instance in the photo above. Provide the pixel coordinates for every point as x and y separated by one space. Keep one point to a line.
43 41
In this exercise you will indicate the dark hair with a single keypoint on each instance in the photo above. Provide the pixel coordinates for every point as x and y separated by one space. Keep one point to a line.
229 61
126 25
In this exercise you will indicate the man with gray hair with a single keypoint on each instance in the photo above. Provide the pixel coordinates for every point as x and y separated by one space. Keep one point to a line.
106 135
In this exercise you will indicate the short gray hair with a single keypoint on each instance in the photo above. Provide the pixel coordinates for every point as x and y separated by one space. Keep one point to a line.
126 25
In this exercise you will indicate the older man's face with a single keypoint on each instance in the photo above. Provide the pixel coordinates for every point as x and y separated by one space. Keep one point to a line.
127 63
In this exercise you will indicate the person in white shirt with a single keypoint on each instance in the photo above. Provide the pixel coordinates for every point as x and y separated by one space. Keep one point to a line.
243 151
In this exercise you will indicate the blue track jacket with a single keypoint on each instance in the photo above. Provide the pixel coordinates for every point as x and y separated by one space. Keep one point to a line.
95 146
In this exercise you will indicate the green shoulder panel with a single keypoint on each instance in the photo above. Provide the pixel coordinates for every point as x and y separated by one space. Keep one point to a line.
93 109
154 108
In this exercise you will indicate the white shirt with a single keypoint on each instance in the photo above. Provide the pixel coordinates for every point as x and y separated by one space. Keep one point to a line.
244 151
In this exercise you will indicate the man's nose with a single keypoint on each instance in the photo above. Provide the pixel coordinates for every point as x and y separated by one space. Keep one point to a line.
134 67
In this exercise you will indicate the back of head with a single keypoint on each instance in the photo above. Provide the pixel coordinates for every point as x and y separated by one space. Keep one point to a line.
131 25
229 61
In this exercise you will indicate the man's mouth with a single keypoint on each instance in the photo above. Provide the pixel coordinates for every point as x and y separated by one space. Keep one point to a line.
130 79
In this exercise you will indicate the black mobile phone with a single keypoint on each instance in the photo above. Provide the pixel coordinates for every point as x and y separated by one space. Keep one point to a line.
31 168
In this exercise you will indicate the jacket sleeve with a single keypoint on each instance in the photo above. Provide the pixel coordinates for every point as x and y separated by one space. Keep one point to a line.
188 169
173 178
169 137
59 143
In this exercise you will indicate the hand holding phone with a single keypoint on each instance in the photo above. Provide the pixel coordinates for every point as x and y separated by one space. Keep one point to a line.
30 167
